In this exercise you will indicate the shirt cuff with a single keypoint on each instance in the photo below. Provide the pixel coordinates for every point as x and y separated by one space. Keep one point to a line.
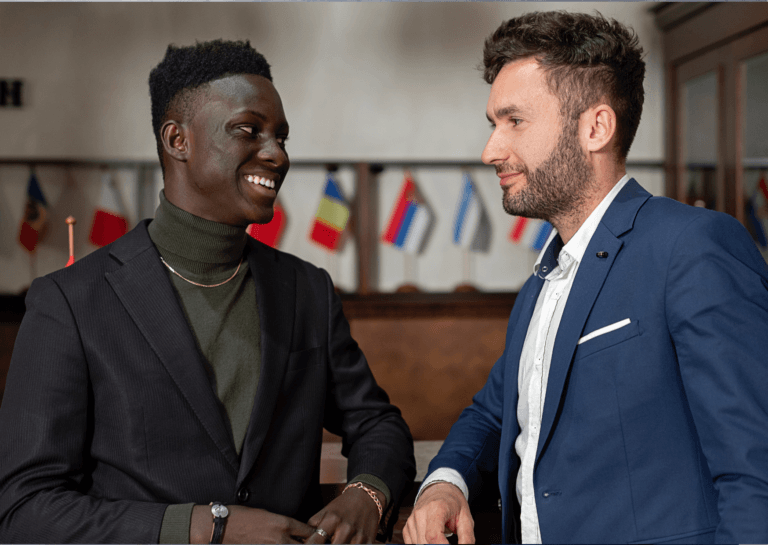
444 475
375 482
176 523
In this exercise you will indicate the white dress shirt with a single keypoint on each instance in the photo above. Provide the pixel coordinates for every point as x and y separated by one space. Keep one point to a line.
535 361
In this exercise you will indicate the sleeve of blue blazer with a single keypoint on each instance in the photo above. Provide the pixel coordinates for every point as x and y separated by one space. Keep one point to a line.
45 437
472 446
717 311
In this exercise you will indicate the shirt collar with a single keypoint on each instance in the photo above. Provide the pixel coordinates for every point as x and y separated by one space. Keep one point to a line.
550 256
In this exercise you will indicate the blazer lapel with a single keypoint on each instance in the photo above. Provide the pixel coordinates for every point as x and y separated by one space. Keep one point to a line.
142 285
593 270
276 297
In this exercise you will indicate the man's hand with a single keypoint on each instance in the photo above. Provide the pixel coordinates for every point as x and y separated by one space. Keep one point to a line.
248 525
350 518
440 506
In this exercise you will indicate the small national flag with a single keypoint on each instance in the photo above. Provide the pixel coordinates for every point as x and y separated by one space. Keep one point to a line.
410 220
530 232
757 212
109 221
331 217
269 233
34 223
468 220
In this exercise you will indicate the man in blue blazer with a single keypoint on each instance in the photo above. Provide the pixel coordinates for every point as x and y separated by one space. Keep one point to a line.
630 402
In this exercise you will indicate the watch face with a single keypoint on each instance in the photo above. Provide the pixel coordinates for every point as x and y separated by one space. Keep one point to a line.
219 510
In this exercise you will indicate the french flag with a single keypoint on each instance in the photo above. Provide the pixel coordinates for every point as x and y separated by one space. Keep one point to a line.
269 233
410 220
468 215
109 221
530 232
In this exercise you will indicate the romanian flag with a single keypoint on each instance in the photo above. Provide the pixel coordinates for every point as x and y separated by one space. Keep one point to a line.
109 221
34 223
269 233
410 220
530 232
331 217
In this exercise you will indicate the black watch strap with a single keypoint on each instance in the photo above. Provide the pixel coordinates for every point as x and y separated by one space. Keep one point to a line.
220 513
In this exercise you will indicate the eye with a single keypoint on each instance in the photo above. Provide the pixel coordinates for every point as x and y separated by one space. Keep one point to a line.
515 121
282 140
250 129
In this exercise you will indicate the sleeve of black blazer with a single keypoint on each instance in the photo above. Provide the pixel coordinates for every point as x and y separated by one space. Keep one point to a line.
45 421
376 439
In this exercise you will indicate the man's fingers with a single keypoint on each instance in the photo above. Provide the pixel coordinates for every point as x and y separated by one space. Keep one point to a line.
465 527
299 529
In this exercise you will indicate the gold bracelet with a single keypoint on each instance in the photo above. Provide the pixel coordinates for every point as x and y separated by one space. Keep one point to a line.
370 492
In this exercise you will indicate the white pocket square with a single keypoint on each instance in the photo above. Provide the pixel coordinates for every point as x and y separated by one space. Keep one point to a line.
604 330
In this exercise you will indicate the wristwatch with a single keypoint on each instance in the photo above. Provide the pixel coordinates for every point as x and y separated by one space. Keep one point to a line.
220 514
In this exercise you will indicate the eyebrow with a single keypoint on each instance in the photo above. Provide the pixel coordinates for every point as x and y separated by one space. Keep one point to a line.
261 117
503 112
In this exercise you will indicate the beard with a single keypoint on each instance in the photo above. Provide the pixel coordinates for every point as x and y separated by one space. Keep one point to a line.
557 187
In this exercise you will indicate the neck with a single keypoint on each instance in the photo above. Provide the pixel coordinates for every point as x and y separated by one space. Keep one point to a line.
195 244
568 224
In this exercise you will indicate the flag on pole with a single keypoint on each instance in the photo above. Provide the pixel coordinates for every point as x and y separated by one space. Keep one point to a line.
269 233
410 220
468 219
331 217
757 212
109 221
34 223
532 233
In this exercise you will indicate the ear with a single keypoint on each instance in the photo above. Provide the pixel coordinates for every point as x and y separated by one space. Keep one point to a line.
173 135
598 128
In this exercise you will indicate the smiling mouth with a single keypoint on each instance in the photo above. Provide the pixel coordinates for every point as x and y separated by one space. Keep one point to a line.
258 180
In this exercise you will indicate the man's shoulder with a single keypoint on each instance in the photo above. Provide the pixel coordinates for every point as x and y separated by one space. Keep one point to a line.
665 215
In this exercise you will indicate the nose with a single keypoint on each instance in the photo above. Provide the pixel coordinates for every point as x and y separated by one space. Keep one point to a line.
495 151
271 151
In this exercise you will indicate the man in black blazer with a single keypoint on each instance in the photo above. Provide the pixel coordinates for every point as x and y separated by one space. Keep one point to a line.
187 365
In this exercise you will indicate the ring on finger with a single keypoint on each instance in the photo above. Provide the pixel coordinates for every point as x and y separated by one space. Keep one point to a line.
323 533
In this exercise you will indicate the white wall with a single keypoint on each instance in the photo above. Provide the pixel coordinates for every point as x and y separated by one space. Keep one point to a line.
359 81
375 80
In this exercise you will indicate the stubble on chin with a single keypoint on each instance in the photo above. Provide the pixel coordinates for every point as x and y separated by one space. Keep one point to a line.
556 188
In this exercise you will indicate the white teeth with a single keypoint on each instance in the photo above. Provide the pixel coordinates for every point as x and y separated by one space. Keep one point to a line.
261 181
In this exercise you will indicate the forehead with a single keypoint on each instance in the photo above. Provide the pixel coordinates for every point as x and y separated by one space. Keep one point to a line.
521 85
239 93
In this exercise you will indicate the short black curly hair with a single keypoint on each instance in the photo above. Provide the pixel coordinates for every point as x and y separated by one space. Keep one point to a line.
587 58
184 70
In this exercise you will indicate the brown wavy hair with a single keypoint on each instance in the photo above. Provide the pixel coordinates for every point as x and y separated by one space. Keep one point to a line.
587 59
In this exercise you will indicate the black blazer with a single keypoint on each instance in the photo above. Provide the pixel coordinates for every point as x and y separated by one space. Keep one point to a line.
109 415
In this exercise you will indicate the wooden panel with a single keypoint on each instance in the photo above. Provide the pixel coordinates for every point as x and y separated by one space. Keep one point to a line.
713 28
431 367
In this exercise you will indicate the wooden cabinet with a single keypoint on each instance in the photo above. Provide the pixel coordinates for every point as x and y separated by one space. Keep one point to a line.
716 66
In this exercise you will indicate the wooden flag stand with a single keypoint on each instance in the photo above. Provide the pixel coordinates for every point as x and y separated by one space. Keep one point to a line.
71 225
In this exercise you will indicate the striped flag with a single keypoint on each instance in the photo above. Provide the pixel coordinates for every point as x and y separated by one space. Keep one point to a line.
532 233
410 220
34 223
331 217
468 218
269 233
109 221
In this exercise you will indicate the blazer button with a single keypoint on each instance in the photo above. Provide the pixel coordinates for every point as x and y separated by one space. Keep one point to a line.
243 494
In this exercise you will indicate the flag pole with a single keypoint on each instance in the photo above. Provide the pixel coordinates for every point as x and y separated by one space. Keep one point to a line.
71 225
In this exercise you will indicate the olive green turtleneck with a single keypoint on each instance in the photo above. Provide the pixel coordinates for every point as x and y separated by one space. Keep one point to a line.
223 319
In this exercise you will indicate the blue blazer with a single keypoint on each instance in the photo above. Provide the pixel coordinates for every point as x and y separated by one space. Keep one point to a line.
656 431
